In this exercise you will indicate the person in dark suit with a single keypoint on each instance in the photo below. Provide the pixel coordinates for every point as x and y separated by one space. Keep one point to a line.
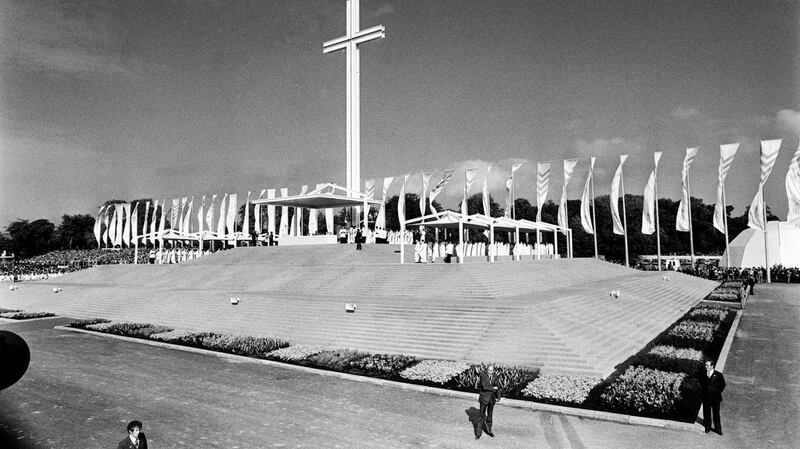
359 237
712 383
488 395
135 439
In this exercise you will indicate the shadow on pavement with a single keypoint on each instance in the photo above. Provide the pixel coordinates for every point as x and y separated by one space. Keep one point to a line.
474 416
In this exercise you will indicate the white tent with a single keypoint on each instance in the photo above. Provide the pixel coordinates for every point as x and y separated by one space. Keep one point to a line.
747 249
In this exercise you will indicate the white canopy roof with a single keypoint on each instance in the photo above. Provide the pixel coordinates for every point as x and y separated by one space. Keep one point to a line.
445 219
327 196
450 219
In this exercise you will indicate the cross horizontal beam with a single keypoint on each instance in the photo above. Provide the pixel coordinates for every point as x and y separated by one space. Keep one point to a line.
376 32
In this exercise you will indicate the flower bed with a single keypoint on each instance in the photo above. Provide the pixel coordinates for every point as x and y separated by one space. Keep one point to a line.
19 315
81 324
235 344
510 380
670 358
731 291
647 385
435 371
388 365
714 314
561 389
647 391
337 360
658 382
691 334
258 347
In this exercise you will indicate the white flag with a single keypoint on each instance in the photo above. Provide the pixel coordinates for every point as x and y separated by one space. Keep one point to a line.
569 167
682 221
649 206
257 212
726 155
401 202
210 215
183 222
135 225
144 223
154 223
106 233
769 153
542 186
369 191
425 182
222 215
586 217
271 212
619 229
174 217
510 190
233 210
793 190
120 222
447 175
380 222
469 179
126 231
283 229
246 224
162 222
485 193
187 217
201 216
112 226
97 224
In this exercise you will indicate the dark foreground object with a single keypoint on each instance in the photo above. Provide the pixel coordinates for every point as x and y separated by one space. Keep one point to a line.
14 358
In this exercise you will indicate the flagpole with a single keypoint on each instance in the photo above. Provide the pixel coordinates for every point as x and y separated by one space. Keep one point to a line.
624 217
766 250
594 222
725 227
691 235
658 226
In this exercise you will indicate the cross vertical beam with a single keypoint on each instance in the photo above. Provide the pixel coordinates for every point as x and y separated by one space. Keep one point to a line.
349 43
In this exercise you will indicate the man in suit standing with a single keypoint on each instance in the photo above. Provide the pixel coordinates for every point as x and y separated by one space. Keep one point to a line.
712 383
488 395
135 439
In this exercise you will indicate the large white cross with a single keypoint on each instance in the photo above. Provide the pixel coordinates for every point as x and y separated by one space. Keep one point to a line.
349 43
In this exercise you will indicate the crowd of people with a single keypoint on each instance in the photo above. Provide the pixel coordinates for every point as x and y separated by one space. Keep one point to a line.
59 262
56 263
174 255
712 270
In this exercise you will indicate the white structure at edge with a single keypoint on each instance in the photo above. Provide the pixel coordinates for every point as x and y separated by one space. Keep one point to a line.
349 43
747 249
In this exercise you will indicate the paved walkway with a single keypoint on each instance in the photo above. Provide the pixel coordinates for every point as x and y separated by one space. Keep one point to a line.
81 390
761 405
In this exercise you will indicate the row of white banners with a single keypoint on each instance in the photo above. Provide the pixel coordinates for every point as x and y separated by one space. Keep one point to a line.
115 220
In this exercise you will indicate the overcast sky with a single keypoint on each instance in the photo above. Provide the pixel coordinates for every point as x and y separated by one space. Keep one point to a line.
127 99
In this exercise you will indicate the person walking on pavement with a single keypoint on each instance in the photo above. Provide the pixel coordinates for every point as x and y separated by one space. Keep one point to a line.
712 383
489 394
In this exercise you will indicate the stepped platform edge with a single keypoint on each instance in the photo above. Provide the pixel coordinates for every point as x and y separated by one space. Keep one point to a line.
554 315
